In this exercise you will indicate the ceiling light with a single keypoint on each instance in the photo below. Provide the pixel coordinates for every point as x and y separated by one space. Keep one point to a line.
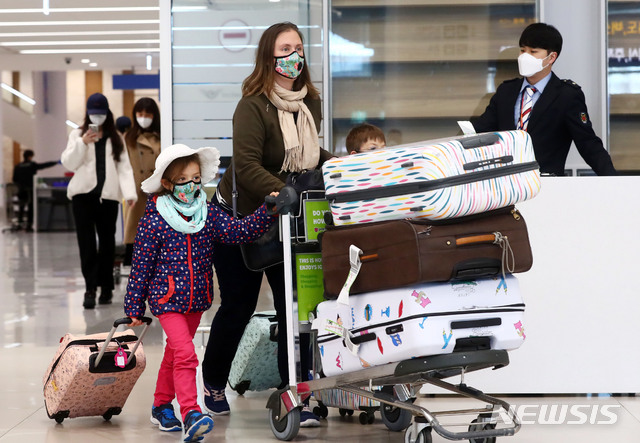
93 65
45 7
76 33
80 42
188 8
85 60
17 93
88 50
81 22
104 9
149 62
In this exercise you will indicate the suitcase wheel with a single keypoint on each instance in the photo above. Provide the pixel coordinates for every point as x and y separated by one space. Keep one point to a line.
482 423
367 418
60 416
111 412
242 387
321 410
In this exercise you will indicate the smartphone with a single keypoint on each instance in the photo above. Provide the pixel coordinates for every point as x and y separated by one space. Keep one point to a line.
94 128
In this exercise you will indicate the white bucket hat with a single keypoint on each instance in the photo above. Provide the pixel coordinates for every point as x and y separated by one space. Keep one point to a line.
209 161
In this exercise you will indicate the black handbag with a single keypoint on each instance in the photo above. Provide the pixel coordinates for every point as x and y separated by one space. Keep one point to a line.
264 252
267 251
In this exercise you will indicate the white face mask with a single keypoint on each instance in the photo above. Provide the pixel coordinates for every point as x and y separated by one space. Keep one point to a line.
528 65
144 122
98 119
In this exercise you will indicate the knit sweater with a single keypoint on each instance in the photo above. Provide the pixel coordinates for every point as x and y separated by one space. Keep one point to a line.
173 271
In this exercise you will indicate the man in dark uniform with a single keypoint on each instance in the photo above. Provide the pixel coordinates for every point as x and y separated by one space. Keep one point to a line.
23 177
553 111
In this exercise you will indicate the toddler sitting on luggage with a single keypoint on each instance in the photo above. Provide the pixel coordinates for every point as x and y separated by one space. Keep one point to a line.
364 138
172 270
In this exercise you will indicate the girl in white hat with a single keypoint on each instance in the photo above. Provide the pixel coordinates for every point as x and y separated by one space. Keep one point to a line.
172 271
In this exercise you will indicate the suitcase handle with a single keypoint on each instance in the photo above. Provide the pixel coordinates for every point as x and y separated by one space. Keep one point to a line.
476 141
127 320
118 322
359 339
475 239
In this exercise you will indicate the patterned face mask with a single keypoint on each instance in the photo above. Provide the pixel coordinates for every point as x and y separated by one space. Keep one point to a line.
290 66
187 192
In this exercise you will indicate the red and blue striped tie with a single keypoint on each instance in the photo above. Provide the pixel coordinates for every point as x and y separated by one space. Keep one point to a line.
525 107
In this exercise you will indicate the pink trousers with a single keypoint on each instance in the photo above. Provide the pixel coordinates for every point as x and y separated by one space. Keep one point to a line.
177 374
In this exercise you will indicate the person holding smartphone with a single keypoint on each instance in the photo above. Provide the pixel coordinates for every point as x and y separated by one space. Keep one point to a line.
102 176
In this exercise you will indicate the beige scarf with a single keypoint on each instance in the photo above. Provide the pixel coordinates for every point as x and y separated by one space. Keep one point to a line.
301 147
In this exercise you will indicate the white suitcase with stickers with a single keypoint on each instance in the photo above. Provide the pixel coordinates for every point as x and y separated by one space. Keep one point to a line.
428 319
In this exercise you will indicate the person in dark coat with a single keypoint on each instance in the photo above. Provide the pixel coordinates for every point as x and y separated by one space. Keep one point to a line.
275 132
23 174
555 114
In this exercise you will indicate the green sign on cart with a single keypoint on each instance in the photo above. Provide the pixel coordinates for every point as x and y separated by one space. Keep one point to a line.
314 218
309 283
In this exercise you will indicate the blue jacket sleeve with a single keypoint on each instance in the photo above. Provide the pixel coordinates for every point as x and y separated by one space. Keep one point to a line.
229 230
145 252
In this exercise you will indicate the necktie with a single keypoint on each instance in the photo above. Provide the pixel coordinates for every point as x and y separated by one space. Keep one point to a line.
525 107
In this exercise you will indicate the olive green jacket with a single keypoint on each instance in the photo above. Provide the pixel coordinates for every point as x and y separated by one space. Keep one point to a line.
258 151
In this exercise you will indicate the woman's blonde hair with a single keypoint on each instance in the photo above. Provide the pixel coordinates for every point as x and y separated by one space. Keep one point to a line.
263 76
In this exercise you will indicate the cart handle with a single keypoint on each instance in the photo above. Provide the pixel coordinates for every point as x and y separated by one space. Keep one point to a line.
284 203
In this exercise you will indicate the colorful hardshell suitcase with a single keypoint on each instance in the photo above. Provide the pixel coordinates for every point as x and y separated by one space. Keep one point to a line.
255 365
433 179
84 379
345 402
428 319
404 252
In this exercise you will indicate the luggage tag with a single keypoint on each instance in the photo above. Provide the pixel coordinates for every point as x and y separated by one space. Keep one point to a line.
336 328
354 260
121 358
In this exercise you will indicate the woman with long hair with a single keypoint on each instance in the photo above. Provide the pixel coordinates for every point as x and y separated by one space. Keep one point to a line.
102 176
143 146
275 132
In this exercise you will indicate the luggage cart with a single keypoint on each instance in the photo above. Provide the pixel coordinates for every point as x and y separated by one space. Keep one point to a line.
400 381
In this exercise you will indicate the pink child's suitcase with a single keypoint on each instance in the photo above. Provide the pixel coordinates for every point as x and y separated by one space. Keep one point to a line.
433 180
83 379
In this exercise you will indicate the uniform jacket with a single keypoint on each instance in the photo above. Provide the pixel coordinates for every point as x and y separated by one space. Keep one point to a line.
143 160
81 159
558 117
258 151
173 271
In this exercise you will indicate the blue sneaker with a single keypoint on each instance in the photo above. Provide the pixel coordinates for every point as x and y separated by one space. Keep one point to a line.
165 418
308 419
196 424
215 400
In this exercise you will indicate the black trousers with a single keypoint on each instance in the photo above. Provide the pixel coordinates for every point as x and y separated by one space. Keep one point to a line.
239 289
92 217
25 204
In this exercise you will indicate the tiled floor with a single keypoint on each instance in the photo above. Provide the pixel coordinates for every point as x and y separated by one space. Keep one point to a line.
41 300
